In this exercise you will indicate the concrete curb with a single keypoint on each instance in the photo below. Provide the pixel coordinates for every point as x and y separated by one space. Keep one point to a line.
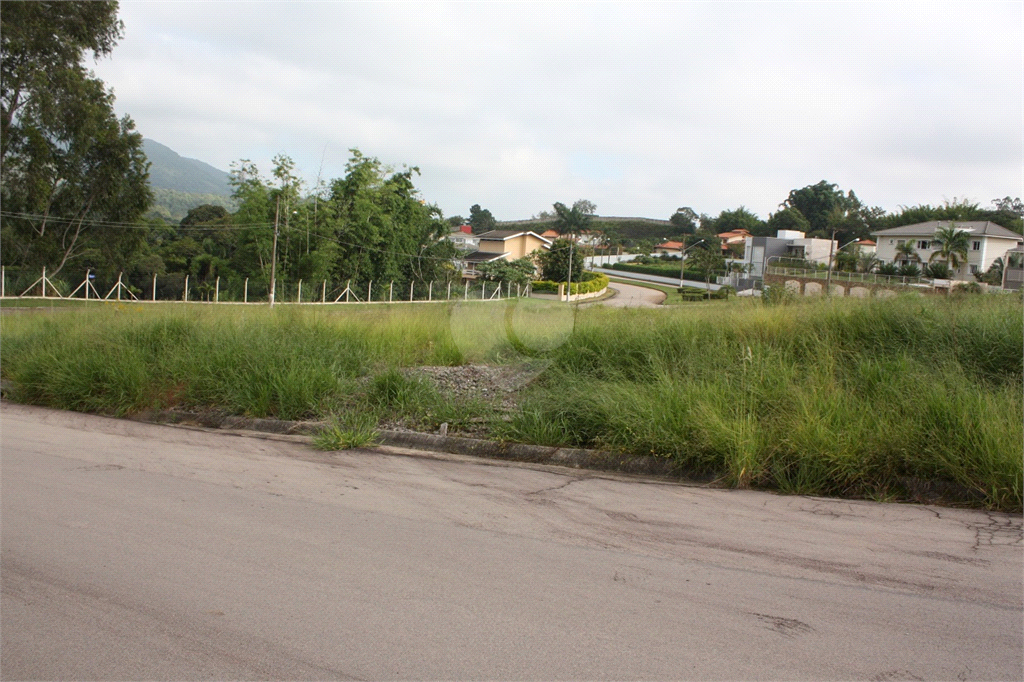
539 454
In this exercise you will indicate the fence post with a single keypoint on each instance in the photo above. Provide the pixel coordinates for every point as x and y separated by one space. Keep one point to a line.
348 290
369 291
3 282
412 286
323 297
465 294
184 296
430 292
300 292
44 282
154 287
391 291
216 291
119 285
519 290
449 291
483 290
245 292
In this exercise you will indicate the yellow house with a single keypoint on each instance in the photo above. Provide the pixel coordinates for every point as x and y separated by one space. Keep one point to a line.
504 244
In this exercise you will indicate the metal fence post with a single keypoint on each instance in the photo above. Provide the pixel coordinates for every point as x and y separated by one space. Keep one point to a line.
245 291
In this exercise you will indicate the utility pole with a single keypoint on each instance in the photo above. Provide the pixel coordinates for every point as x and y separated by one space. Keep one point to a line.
568 290
273 258
828 276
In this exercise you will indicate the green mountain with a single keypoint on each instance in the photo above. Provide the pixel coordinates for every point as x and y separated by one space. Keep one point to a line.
169 170
180 184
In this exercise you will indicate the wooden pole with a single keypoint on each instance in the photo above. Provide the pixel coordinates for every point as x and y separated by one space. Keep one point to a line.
300 292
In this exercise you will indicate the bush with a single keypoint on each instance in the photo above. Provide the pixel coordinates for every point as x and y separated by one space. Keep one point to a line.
698 294
591 282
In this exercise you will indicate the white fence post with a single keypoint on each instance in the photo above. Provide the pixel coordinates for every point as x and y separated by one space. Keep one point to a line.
44 282
300 292
369 291
216 291
449 291
430 292
412 286
184 296
323 296
391 291
245 292
154 287
465 294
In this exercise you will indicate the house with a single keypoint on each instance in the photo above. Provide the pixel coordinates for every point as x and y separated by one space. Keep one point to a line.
866 246
549 234
1013 268
464 239
988 241
738 237
757 251
670 248
503 244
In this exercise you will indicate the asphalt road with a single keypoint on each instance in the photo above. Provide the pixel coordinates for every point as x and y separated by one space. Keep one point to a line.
136 551
632 296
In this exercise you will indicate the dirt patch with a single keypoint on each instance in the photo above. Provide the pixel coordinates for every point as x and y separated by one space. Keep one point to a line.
499 385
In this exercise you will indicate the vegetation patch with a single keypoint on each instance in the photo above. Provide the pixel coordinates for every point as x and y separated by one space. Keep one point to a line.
862 398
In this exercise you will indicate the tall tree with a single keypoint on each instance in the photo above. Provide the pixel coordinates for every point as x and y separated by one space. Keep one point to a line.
573 220
67 163
481 220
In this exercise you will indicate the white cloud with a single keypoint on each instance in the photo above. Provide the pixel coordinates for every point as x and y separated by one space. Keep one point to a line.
639 107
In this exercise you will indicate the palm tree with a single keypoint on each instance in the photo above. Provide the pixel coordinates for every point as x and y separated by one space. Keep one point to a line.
953 245
905 251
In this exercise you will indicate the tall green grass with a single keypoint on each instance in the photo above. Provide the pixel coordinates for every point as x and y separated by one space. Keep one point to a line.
843 397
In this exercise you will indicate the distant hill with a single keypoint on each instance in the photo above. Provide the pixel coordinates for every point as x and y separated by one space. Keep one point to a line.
170 170
180 184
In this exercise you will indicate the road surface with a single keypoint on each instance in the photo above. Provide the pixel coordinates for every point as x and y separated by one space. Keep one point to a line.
631 296
664 281
137 551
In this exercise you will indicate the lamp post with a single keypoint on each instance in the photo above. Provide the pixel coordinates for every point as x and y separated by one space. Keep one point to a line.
831 251
682 260
273 261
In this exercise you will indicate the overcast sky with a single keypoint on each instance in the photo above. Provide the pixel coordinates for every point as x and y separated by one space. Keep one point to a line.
640 107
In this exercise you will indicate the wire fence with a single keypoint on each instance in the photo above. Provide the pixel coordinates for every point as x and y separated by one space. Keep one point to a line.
88 285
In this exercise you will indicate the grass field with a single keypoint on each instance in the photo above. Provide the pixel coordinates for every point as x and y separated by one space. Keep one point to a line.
833 397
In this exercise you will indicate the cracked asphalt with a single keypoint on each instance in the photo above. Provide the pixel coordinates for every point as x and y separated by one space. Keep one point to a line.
134 551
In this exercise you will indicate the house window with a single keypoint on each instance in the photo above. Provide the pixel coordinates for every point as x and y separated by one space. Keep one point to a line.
974 269
922 244
976 246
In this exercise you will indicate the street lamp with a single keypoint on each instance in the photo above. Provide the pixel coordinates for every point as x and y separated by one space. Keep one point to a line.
682 260
831 251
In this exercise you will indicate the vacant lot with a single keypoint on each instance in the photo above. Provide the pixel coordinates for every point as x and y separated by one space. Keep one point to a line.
872 399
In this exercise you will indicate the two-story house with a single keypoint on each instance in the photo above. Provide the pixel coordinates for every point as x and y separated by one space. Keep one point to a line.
503 244
988 241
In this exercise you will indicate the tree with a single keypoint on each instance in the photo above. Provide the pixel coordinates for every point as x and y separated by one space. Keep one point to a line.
787 219
481 219
953 244
554 263
738 219
905 251
685 218
816 203
67 163
573 220
707 260
520 271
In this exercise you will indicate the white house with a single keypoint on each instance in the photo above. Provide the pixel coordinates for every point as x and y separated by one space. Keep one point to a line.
757 251
988 241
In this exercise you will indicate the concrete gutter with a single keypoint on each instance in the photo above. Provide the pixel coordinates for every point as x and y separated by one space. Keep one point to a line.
540 454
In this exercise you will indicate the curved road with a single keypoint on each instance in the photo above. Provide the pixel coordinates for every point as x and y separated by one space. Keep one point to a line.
632 296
